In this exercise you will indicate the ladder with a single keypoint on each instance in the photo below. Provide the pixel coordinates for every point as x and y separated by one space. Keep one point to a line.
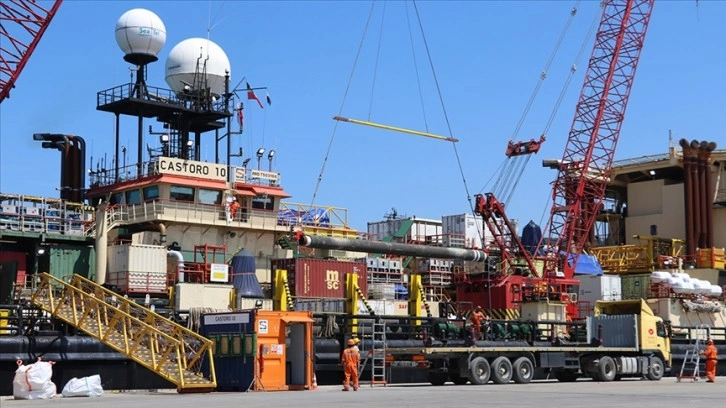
378 354
691 367
173 352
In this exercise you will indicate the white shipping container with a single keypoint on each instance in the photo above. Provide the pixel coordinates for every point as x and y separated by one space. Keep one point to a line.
420 230
594 288
137 258
208 295
466 229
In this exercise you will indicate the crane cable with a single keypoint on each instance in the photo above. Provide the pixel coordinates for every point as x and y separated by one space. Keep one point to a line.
443 107
510 177
375 66
415 66
342 104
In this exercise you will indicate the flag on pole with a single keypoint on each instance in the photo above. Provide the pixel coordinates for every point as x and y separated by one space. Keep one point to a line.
251 96
240 115
267 96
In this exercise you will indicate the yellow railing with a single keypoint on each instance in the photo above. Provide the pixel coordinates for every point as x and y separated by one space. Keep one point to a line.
172 351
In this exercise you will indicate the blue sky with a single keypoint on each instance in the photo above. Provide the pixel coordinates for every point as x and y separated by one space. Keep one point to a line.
487 57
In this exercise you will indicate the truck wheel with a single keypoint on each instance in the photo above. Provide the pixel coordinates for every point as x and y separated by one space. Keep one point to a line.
606 369
479 371
656 370
501 370
566 376
522 370
458 380
438 378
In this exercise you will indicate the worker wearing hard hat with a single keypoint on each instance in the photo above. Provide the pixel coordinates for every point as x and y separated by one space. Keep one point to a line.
350 361
711 356
356 341
478 318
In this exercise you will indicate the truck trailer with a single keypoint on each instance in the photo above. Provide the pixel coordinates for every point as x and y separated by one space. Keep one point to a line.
622 339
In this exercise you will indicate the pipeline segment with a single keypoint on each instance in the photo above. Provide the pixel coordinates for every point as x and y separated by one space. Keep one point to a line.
391 248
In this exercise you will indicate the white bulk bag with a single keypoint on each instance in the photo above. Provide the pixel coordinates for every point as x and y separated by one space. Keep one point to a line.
83 387
33 381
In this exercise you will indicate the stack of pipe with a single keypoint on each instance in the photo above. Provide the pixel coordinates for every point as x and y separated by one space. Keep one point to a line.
698 194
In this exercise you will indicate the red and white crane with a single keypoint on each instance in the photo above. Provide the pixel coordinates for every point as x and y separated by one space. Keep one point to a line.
22 24
585 167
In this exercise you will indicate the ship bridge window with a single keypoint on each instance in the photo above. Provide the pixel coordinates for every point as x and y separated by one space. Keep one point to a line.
263 203
117 198
182 193
133 197
151 193
210 196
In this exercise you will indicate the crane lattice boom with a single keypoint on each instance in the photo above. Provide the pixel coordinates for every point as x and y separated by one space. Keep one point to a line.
22 24
585 168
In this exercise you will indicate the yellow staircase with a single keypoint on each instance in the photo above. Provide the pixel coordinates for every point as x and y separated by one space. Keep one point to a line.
164 347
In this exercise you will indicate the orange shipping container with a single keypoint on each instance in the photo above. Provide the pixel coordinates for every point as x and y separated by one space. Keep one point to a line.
319 278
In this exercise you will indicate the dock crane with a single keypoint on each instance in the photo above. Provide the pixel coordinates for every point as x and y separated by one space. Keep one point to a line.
585 167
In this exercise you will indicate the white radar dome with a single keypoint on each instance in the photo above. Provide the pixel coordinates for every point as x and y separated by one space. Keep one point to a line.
141 35
190 59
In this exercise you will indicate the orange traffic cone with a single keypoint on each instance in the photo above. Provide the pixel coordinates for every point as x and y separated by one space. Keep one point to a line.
315 382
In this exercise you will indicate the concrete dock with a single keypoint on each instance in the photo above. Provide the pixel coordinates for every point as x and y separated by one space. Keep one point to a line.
666 393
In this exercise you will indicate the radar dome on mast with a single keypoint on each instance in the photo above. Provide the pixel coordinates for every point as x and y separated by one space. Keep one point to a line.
197 63
141 35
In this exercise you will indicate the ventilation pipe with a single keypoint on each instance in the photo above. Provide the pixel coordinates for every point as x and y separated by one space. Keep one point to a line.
180 263
162 233
695 198
101 243
688 196
708 196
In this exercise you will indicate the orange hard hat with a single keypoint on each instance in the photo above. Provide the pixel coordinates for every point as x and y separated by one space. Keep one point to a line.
351 342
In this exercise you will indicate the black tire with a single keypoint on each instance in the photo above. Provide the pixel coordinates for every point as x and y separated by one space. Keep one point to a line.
436 378
522 370
566 375
656 369
458 380
479 371
501 370
606 369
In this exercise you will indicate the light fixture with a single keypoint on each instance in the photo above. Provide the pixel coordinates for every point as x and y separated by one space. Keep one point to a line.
40 251
260 152
164 138
190 143
652 172
258 303
246 162
271 154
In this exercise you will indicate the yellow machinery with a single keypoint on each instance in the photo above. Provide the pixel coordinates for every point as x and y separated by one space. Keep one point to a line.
639 258
164 347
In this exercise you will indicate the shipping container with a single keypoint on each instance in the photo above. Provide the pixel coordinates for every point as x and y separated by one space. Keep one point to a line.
21 259
319 278
465 230
138 282
635 286
137 258
208 295
66 260
416 229
594 288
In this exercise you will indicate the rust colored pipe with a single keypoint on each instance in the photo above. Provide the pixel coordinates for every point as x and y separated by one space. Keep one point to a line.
687 195
695 196
703 193
709 196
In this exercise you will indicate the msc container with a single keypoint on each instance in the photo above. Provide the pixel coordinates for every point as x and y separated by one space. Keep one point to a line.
635 286
319 278
21 259
137 258
594 288
466 229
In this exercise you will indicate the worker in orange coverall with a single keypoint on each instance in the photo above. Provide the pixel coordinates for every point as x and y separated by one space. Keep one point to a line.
711 356
350 361
477 319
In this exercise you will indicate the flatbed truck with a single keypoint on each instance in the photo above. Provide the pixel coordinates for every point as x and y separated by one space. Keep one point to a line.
621 339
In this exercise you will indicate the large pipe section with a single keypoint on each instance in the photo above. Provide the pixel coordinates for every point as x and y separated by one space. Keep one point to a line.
698 194
708 196
688 198
391 248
